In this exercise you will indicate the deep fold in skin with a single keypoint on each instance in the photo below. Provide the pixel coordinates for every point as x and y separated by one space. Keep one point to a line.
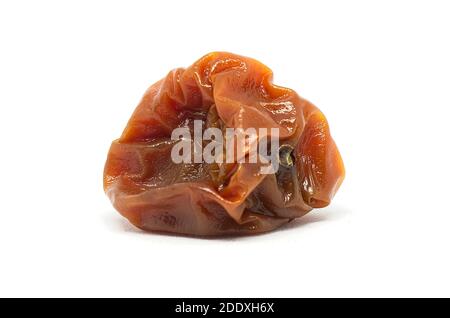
223 90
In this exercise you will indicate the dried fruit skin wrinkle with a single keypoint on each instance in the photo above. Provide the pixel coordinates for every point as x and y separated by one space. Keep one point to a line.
222 90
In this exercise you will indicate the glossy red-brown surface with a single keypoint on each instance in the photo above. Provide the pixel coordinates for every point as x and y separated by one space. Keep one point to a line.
223 90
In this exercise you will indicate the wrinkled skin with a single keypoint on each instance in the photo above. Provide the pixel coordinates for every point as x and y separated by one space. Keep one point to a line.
223 90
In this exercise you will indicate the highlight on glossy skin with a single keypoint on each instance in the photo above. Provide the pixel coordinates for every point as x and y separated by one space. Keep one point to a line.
223 90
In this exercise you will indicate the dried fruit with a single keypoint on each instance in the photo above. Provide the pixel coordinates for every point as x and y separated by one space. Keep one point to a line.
222 90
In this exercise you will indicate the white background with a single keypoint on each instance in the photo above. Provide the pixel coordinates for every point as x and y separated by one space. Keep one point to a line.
72 72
